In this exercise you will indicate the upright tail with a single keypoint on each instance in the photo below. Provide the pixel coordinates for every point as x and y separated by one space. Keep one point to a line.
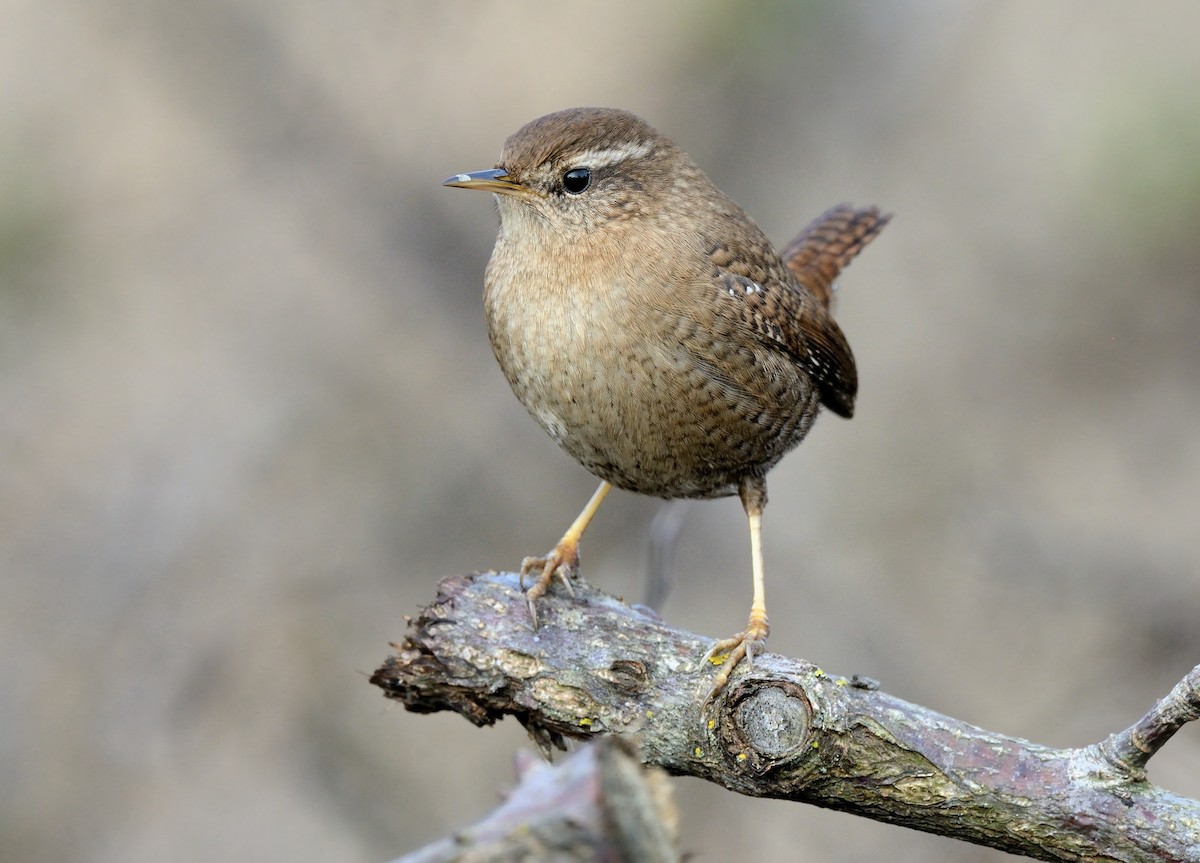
830 242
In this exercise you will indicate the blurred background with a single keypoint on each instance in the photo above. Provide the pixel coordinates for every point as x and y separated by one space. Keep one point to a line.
250 416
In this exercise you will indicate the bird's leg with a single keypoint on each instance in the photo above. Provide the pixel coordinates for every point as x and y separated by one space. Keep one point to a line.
563 558
730 651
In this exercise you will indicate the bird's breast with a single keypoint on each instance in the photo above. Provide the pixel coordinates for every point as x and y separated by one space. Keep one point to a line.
559 339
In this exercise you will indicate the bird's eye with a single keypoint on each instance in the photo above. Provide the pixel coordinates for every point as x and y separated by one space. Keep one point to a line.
577 180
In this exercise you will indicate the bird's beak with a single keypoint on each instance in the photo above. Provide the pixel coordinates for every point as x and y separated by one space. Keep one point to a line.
491 180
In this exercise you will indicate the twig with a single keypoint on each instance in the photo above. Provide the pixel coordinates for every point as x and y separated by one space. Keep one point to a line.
1131 749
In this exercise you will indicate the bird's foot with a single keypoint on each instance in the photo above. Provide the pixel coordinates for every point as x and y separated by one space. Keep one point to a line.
729 652
562 560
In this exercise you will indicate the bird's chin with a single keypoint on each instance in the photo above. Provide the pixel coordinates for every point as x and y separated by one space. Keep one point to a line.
525 220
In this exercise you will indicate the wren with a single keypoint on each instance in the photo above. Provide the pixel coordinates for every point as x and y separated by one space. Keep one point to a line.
649 326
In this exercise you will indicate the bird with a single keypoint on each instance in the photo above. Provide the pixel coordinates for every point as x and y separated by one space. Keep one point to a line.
652 330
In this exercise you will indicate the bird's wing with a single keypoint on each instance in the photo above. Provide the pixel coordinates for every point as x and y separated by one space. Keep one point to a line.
785 316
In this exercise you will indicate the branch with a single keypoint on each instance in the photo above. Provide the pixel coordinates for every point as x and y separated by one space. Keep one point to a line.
785 728
598 804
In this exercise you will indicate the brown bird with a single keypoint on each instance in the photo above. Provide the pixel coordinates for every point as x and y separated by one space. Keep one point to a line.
652 330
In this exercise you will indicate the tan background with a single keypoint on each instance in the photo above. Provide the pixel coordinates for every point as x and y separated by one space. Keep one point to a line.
249 416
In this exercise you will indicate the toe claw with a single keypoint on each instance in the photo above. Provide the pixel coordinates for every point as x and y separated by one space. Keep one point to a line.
565 573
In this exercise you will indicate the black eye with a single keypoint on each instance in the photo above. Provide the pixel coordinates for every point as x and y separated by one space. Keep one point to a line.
577 180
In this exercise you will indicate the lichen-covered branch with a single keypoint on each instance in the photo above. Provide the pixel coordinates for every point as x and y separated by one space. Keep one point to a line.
784 728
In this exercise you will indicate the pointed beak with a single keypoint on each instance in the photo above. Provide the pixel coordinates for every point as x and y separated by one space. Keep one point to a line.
491 180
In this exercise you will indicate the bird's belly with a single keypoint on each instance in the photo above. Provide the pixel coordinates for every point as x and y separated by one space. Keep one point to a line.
655 417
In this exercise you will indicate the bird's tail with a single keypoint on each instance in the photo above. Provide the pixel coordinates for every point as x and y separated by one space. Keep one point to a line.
830 242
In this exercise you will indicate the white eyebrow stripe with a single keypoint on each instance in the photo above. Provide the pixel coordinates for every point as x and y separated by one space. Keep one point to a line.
612 155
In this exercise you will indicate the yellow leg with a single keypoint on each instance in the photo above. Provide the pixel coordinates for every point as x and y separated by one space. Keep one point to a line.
749 641
563 558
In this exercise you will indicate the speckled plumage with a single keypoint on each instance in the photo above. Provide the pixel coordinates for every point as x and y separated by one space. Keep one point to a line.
648 325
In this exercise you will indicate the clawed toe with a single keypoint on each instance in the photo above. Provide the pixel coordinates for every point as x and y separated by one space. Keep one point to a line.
559 561
728 653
